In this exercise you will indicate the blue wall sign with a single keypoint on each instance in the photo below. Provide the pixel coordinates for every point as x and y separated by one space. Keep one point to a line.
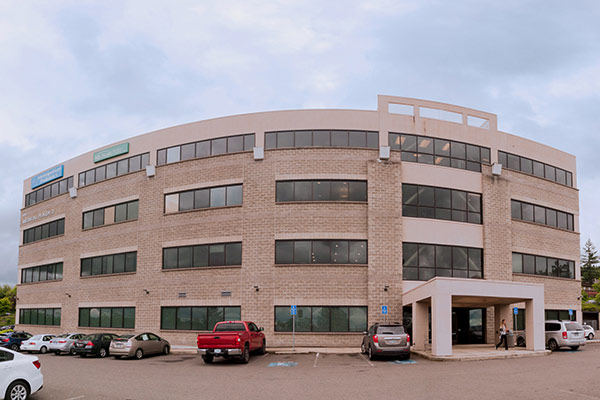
293 310
570 311
516 311
384 310
47 176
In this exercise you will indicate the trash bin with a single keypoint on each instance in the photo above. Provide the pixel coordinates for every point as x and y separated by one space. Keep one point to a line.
510 338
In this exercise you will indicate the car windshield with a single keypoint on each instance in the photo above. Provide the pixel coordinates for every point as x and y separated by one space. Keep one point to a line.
89 337
573 326
390 330
230 327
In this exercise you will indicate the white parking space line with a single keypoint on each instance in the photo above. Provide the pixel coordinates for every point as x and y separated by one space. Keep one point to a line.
316 359
367 360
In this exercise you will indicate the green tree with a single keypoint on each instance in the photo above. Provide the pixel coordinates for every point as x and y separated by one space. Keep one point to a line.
5 305
589 264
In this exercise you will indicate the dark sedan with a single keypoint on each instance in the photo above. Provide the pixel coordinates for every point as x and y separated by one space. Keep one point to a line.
97 344
12 340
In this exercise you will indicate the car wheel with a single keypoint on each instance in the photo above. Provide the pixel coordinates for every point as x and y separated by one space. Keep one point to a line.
263 348
591 336
72 351
574 348
102 352
552 345
245 355
166 350
14 347
371 354
43 350
17 391
208 358
139 354
363 350
520 342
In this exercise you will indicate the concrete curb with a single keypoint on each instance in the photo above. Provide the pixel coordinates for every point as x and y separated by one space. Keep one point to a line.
480 357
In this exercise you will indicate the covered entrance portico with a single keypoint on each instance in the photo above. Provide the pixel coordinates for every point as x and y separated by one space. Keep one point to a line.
442 294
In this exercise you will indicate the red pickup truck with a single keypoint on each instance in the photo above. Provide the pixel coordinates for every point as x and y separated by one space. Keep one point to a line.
232 339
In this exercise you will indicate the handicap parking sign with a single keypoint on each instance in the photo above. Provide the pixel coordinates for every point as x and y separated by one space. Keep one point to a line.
293 310
384 310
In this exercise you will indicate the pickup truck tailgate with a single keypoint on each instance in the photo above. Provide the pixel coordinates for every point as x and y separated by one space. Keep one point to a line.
218 340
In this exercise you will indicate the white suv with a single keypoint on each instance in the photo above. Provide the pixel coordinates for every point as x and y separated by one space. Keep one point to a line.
20 375
564 334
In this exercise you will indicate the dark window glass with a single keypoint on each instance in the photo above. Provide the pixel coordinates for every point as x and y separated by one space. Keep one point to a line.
339 191
200 256
425 145
425 158
88 220
528 264
248 142
321 138
443 198
540 265
302 252
188 151
270 141
339 252
184 257
373 140
122 167
410 194
235 144
202 198
357 252
101 173
339 138
233 254
515 207
320 252
408 143
217 197
284 252
527 210
234 195
538 169
517 263
111 170
161 157
285 139
513 162
442 147
459 200
218 146
186 201
526 165
216 254
539 214
458 150
303 190
321 190
203 149
562 220
285 191
357 191
426 255
550 172
119 263
426 196
357 139
561 176
473 153
303 138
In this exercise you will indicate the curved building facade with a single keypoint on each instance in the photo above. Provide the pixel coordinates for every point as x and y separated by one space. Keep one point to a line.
346 214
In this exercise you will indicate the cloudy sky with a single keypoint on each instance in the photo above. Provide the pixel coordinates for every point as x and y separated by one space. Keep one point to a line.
77 75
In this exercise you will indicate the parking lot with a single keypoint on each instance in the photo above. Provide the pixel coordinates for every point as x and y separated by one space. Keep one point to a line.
564 374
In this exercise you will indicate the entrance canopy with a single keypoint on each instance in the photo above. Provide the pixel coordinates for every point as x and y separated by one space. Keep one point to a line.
441 294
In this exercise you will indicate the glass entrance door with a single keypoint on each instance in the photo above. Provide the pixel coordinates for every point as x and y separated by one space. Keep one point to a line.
468 325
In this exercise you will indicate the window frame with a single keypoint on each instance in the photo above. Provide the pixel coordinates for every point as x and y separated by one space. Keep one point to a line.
226 246
210 189
144 161
330 242
569 218
503 155
330 308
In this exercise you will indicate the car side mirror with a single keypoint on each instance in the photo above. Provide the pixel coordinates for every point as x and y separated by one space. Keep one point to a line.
261 329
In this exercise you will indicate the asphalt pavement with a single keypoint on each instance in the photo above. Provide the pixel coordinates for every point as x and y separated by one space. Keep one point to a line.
564 375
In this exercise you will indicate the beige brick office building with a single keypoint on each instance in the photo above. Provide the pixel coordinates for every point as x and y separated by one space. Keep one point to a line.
339 212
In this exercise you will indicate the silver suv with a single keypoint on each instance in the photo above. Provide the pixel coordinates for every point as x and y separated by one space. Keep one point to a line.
564 334
386 340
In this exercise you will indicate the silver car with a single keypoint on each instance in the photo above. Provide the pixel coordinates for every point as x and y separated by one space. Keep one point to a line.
64 343
386 340
589 332
564 334
139 345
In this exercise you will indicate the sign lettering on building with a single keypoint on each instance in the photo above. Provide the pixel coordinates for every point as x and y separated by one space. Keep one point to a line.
111 152
47 176
44 214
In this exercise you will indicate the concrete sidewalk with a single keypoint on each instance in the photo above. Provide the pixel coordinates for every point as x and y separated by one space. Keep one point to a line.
480 352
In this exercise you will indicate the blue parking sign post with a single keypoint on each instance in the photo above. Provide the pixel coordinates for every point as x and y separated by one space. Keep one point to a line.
570 314
293 311
515 312
384 311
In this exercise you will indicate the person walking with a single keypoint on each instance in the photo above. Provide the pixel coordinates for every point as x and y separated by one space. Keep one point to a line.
503 330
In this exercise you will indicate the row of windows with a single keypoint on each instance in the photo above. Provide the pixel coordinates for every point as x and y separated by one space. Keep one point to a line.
49 191
115 168
205 148
539 169
321 190
321 138
48 272
107 317
541 215
559 314
39 316
220 196
197 318
44 231
204 255
421 262
109 264
321 319
121 212
448 153
439 203
540 265
321 252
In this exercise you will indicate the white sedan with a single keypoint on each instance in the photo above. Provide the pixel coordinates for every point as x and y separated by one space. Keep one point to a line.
39 343
588 332
20 375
